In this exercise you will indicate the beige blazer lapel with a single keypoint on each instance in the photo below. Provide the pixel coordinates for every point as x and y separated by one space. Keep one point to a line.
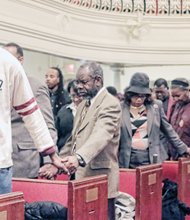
78 117
92 109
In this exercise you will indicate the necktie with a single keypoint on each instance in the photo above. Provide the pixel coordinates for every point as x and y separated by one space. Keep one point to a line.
82 116
84 112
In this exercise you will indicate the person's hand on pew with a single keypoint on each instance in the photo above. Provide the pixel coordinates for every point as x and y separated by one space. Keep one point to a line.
48 171
187 152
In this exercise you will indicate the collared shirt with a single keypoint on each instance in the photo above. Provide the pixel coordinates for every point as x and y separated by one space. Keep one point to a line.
96 96
73 108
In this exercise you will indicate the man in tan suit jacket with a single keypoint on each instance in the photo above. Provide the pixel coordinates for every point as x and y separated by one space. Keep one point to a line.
93 147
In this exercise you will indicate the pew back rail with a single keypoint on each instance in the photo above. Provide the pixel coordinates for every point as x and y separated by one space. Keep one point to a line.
85 198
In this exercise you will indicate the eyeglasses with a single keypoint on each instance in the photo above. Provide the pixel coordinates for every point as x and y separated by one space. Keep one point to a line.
84 82
141 96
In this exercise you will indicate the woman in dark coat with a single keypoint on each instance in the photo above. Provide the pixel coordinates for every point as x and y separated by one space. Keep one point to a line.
142 121
65 116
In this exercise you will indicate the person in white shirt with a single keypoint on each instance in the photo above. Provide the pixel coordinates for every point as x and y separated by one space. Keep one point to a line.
24 153
15 92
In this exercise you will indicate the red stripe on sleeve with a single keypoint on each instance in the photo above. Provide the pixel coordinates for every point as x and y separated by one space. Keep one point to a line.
49 151
25 105
29 111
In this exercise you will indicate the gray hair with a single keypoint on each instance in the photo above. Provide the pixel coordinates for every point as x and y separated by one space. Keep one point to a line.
94 68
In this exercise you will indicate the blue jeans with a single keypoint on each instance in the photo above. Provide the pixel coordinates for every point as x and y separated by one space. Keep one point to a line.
5 180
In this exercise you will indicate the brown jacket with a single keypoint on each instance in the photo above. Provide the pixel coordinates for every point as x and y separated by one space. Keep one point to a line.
97 140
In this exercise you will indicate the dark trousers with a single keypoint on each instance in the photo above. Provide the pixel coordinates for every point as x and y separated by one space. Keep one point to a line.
111 209
139 158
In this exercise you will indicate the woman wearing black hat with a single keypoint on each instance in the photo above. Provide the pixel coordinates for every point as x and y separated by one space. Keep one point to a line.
142 121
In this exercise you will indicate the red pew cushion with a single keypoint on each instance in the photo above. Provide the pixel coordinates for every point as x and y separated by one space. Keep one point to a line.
170 170
128 186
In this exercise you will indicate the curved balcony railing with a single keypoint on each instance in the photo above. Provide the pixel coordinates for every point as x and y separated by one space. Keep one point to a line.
153 7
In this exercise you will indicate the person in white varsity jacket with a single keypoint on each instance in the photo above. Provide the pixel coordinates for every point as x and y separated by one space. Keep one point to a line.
24 152
15 92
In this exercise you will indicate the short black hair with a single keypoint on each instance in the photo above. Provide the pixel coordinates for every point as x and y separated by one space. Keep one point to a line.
112 90
19 48
161 81
72 84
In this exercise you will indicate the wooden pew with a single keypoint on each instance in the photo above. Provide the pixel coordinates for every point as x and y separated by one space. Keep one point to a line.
179 171
12 206
62 177
85 198
145 185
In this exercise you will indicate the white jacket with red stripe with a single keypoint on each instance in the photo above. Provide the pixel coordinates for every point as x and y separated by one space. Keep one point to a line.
15 92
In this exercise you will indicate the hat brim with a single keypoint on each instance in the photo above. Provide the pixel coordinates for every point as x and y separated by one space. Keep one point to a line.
139 90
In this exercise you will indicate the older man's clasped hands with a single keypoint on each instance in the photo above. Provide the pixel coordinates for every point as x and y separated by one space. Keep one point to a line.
50 171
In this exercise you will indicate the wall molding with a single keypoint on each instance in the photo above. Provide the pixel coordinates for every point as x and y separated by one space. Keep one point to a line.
65 30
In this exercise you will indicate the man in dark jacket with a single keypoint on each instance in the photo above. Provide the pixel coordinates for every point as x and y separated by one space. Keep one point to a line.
58 95
162 93
161 90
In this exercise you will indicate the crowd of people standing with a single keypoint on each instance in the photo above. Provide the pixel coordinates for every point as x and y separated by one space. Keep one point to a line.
95 129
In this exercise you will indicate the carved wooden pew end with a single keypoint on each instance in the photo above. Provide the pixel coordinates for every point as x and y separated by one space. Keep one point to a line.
145 185
12 206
